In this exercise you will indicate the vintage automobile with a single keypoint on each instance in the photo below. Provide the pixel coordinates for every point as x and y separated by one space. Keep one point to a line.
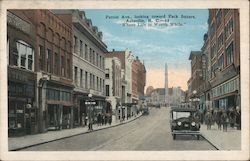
183 121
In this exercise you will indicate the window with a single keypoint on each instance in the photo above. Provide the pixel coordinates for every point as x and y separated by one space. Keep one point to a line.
93 82
107 73
23 55
49 61
75 44
94 57
68 68
75 73
81 77
212 30
229 28
97 57
56 64
86 51
97 83
90 80
100 61
213 51
103 63
81 49
86 80
230 54
218 18
90 55
62 66
220 41
221 61
107 90
41 57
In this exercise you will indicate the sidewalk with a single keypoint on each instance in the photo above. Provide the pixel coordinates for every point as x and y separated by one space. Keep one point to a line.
17 143
230 140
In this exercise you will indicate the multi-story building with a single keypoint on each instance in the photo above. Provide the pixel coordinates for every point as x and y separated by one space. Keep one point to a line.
138 80
88 63
22 100
196 81
43 44
54 70
113 84
224 44
126 58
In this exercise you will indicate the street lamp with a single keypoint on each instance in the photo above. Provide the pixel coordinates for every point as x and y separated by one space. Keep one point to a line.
90 104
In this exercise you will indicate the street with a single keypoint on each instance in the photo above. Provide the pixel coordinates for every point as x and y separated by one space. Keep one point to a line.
150 132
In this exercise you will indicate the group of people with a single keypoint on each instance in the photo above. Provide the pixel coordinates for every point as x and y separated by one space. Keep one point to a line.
103 119
223 118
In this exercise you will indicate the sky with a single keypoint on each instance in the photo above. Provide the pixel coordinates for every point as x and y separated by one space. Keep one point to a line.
156 36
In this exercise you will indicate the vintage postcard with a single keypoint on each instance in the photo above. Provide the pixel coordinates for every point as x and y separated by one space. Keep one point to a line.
124 80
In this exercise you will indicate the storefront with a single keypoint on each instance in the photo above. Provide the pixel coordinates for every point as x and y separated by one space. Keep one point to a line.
226 95
22 111
59 106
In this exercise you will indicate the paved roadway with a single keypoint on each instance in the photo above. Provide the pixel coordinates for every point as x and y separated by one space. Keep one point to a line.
150 132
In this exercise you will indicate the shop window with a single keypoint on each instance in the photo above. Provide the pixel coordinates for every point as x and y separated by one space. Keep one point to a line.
23 55
56 64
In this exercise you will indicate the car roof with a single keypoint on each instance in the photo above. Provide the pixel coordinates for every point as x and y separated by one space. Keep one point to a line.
180 109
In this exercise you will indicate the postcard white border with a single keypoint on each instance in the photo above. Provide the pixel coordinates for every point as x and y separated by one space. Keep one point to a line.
243 154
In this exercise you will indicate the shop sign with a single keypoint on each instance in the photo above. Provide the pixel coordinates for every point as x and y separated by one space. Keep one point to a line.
18 75
19 111
18 23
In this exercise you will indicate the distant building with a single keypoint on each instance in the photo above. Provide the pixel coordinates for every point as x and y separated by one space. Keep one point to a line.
138 80
113 84
126 58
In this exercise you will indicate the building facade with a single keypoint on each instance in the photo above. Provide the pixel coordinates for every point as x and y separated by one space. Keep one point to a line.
126 58
224 40
138 80
195 83
22 101
88 64
45 49
113 85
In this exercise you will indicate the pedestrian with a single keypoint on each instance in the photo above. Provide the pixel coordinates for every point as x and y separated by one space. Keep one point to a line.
224 120
218 118
99 119
232 118
238 118
86 120
208 119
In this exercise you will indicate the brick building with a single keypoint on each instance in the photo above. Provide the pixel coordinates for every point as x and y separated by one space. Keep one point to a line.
196 74
138 79
22 100
42 44
224 58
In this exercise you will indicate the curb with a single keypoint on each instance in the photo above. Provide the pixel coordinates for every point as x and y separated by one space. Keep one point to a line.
119 124
216 147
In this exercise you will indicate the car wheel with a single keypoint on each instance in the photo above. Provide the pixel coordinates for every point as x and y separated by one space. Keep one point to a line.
174 136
